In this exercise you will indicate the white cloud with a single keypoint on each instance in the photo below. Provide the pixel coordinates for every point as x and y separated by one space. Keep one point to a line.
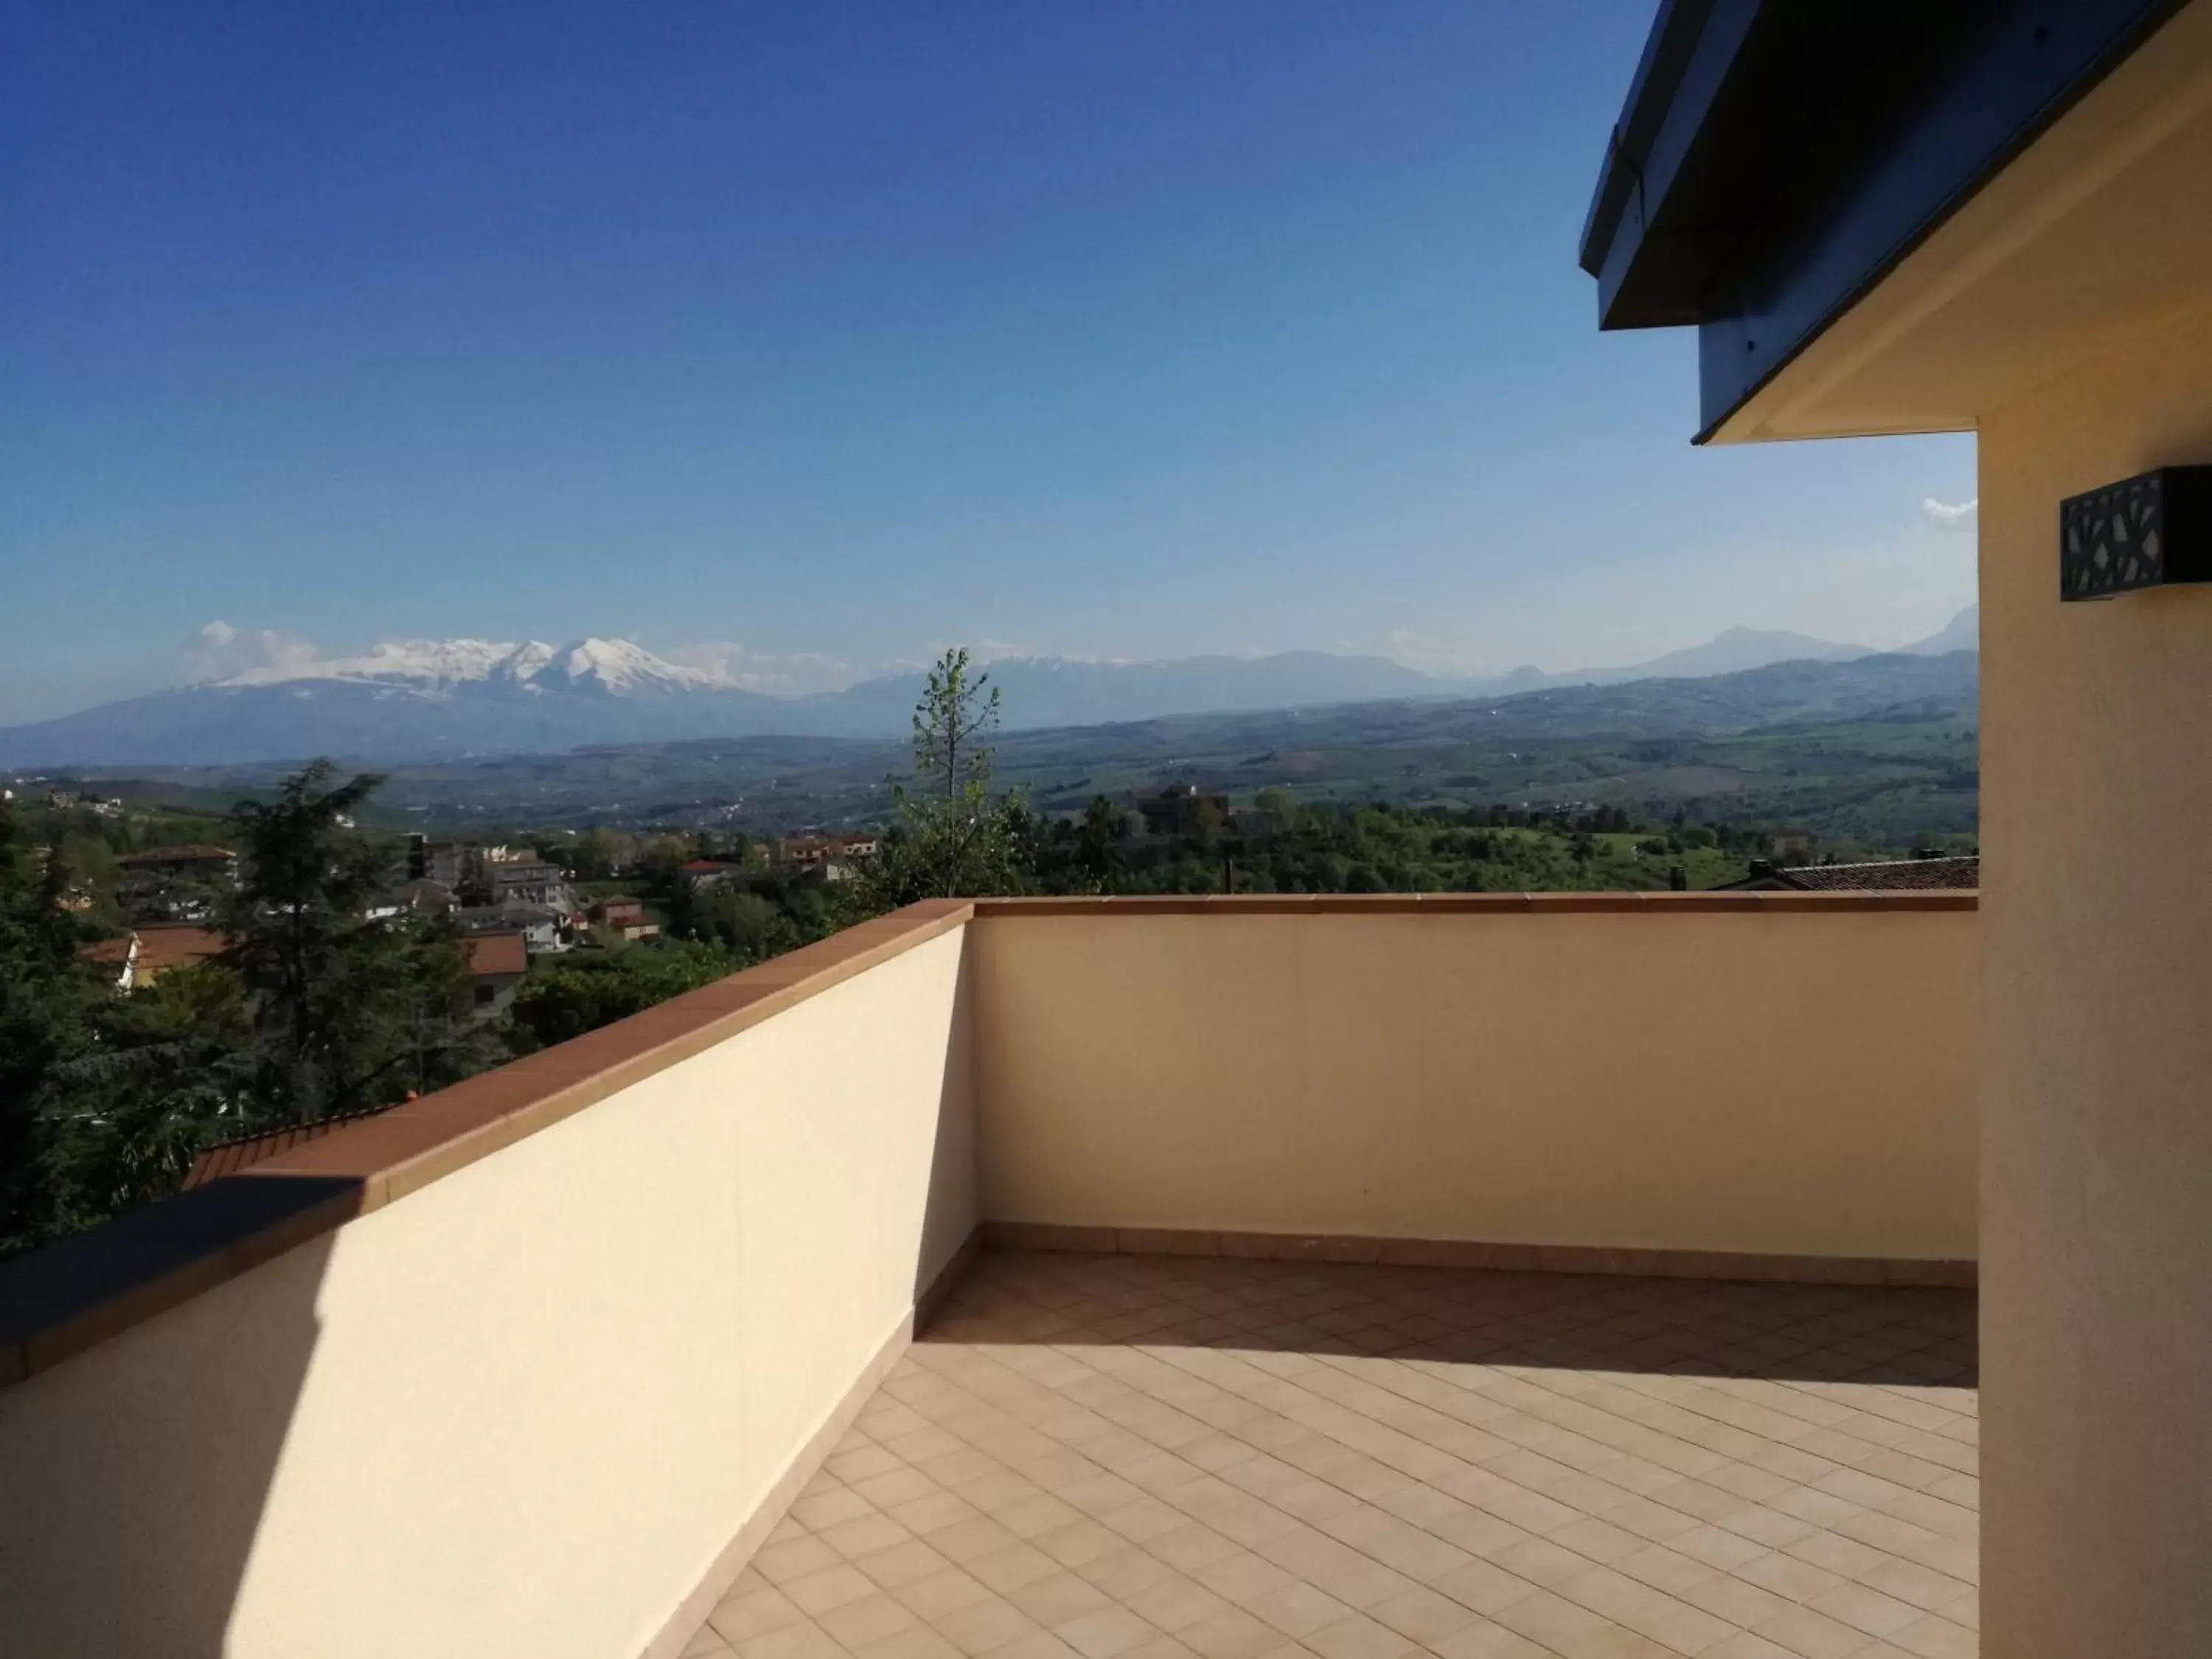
218 650
1946 515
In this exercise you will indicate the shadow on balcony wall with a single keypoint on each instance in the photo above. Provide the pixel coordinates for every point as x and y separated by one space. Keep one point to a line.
949 1223
1867 1334
137 1473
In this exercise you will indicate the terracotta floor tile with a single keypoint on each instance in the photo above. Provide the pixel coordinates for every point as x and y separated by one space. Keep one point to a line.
1175 1603
833 1586
919 1642
1298 1609
897 1486
1038 1644
1787 1577
1540 1561
901 1563
801 1641
1484 1640
1357 1637
780 1564
1053 1602
1662 1569
941 1593
982 1626
754 1613
1551 1620
1865 1609
1935 1637
1484 1587
1744 1645
865 1534
1733 1601
1650 1613
1814 1635
1360 1582
1230 1634
1153 1457
827 1508
856 1624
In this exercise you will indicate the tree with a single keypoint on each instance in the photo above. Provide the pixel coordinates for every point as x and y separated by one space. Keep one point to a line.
954 840
164 1075
1099 844
751 926
349 1011
49 1000
950 723
559 1003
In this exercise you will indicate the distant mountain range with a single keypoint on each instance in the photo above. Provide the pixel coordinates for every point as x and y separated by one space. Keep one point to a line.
425 700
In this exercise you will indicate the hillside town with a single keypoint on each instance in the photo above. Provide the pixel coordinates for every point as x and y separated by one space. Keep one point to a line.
511 904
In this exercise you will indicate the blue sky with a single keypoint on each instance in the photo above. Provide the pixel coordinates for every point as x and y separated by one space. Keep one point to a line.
851 331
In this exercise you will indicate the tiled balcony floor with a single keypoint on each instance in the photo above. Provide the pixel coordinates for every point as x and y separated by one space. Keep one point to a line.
1127 1457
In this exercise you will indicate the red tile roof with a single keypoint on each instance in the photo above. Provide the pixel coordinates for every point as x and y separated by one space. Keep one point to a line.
195 852
497 953
178 946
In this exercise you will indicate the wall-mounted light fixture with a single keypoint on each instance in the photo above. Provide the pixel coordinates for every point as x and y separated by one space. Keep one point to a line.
2151 531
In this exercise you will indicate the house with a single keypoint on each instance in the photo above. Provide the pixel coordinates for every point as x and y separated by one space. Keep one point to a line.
809 852
705 872
544 927
618 911
196 862
541 928
1998 219
449 863
497 964
117 957
144 954
530 880
626 916
833 854
1931 872
426 897
176 883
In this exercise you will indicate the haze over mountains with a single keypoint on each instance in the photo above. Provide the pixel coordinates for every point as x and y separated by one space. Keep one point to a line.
418 700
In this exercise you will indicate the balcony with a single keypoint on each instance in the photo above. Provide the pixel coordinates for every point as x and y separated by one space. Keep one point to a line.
1585 1275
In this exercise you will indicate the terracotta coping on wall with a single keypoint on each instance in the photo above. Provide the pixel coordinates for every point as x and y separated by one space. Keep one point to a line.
68 1296
63 1298
1372 904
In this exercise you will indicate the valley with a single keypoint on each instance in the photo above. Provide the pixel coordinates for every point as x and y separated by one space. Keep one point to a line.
1869 754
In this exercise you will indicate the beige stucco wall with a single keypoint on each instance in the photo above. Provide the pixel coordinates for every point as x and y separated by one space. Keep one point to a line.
519 1412
1789 1083
2097 1081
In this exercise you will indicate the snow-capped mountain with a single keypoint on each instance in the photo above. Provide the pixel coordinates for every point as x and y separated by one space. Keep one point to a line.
613 668
433 699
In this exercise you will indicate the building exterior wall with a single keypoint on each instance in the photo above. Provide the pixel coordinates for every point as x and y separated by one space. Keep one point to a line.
1790 1083
2097 1069
520 1411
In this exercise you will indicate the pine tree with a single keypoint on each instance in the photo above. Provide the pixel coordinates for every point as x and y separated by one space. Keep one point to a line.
954 839
48 999
349 1011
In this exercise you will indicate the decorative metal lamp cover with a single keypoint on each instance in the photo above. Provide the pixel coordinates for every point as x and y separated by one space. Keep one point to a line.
2145 531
